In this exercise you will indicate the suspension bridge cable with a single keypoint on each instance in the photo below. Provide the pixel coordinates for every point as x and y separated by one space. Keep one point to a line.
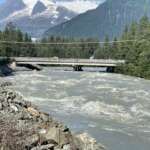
70 43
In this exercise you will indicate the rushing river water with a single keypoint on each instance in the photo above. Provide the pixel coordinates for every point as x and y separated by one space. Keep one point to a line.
115 109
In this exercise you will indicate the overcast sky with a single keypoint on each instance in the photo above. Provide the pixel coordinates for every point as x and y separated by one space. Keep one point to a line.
66 0
80 5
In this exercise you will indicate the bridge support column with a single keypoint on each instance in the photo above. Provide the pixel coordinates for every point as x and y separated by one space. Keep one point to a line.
110 69
77 68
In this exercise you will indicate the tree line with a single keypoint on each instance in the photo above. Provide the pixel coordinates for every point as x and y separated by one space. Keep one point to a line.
134 47
15 43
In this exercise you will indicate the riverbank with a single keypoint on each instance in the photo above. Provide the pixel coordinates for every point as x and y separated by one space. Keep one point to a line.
7 66
24 127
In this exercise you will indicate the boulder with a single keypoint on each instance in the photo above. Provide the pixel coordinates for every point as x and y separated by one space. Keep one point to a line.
5 70
67 147
14 108
44 147
60 137
45 117
86 142
1 106
33 111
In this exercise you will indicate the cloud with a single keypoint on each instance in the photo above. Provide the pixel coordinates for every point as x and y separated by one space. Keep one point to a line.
80 6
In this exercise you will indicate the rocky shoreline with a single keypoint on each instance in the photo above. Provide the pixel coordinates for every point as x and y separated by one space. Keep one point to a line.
24 127
5 70
7 66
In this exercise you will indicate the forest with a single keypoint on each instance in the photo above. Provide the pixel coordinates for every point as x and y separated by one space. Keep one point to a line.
133 46
15 43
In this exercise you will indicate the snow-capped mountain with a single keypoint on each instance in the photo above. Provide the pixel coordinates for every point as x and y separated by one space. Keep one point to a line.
33 16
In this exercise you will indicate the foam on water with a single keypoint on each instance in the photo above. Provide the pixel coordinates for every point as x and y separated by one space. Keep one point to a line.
67 83
117 130
106 86
111 107
140 111
107 111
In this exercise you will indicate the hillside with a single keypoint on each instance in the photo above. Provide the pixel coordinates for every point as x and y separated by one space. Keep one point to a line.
109 19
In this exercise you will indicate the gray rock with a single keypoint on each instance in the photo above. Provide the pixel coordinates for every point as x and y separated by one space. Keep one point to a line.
24 116
10 95
5 84
86 142
1 98
14 108
44 147
5 70
5 104
42 131
58 136
1 106
65 129
67 147
44 117
33 140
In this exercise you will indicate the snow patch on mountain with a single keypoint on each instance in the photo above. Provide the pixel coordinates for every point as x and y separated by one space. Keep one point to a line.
67 18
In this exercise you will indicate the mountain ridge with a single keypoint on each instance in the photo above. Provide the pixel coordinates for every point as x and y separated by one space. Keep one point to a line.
109 18
34 18
38 8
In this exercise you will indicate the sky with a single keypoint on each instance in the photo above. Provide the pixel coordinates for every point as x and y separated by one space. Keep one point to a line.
79 5
2 1
56 0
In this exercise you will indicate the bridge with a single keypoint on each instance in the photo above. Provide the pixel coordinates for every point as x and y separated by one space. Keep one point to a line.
77 64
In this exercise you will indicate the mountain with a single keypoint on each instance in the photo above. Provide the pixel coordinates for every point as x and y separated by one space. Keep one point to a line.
33 16
38 8
109 18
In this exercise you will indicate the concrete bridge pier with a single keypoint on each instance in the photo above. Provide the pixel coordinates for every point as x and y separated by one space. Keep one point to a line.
110 69
77 68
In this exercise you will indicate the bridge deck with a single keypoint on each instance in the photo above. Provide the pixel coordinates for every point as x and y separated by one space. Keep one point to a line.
69 62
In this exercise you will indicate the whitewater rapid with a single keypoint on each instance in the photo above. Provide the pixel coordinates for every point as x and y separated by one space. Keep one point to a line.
115 109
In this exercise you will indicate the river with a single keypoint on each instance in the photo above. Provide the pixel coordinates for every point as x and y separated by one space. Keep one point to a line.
113 108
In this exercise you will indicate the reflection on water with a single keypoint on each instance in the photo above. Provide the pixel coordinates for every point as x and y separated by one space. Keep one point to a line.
115 109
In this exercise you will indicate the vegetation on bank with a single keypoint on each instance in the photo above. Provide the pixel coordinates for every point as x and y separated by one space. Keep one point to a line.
133 46
4 61
15 43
